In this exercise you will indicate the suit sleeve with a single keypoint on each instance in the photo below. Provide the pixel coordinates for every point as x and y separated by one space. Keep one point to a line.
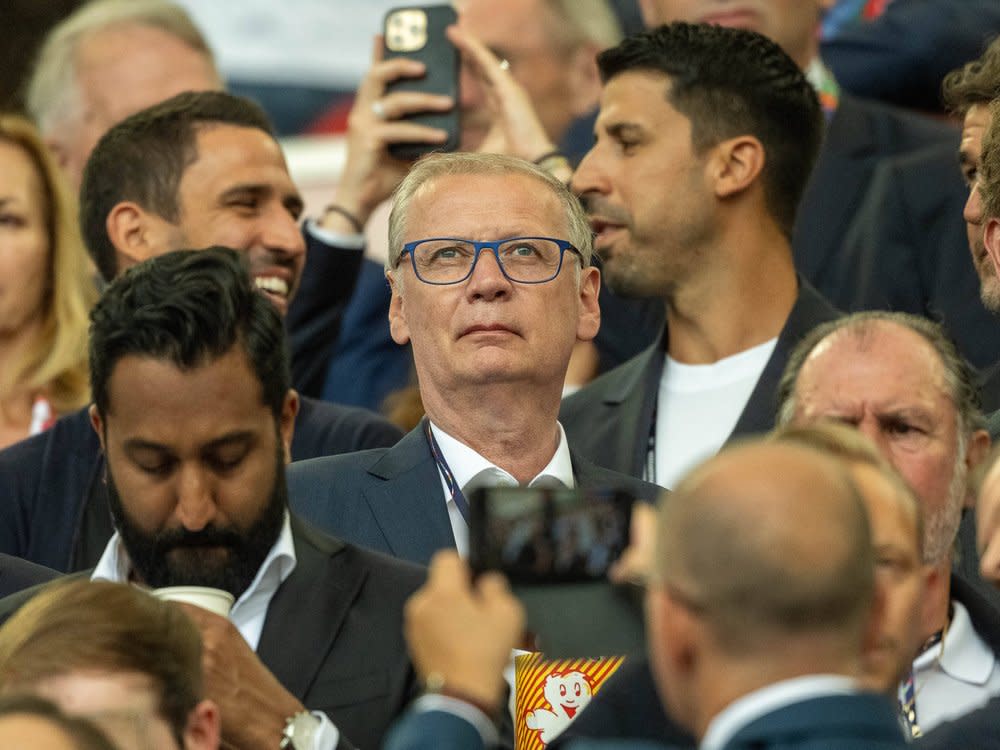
317 311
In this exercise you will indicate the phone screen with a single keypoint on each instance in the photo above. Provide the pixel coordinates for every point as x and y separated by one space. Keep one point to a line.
545 535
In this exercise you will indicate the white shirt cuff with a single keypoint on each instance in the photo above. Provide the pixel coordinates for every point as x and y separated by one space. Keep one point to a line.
337 239
327 735
466 711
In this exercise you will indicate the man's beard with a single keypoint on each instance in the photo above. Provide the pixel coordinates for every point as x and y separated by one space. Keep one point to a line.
941 527
217 557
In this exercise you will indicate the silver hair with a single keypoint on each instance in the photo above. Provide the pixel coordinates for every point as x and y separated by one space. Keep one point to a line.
53 96
434 166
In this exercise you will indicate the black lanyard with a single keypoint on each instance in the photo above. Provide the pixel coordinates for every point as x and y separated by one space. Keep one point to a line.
449 479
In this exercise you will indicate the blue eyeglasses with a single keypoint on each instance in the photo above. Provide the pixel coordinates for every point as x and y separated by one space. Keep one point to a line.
524 260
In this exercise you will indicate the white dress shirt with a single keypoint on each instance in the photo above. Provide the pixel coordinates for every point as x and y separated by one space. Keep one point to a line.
249 611
470 470
753 706
956 676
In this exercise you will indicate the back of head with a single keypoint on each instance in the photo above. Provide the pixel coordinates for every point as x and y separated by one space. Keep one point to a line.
731 82
52 96
770 545
143 158
976 82
87 627
189 308
79 734
438 165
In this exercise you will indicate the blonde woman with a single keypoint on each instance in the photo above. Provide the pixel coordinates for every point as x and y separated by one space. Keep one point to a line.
46 289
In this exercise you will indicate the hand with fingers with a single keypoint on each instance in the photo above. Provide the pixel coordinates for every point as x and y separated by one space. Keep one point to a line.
460 633
516 129
371 173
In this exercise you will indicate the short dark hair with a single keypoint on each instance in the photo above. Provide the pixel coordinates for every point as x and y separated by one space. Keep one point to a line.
976 82
189 307
143 158
731 82
81 625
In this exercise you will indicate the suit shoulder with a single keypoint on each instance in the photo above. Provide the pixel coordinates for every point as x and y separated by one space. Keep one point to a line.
341 466
324 428
909 130
610 384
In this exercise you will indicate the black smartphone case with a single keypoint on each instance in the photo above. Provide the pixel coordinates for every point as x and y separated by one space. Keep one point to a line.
442 61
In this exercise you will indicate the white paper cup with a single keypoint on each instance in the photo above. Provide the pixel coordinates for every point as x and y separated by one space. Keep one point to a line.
214 600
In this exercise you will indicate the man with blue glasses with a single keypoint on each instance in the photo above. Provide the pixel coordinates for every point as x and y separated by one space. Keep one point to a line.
489 265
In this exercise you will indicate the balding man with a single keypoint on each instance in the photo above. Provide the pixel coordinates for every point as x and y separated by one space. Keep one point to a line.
897 379
756 627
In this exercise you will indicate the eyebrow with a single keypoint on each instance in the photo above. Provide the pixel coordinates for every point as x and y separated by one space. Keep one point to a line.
237 436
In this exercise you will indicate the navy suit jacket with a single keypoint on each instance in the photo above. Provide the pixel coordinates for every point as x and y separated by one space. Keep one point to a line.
391 500
333 634
838 722
608 421
48 482
979 729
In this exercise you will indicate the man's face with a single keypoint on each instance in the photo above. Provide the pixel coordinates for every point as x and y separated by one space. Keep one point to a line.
238 194
488 330
899 577
122 70
123 704
554 73
890 385
792 24
645 189
195 469
974 126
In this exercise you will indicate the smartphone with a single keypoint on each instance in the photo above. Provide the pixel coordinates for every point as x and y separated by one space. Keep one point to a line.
418 33
555 546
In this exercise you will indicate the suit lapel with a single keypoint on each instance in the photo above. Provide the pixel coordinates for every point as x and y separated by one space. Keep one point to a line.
407 502
313 613
810 310
634 395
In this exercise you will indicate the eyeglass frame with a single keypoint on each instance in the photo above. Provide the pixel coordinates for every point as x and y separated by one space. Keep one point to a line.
494 246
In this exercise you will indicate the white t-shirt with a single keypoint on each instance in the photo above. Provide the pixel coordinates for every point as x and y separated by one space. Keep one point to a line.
698 407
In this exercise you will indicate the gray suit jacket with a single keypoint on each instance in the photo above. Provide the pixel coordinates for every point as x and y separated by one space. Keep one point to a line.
333 634
390 500
608 421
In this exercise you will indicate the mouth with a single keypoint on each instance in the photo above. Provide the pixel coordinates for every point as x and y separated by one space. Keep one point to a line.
570 710
604 231
488 329
275 288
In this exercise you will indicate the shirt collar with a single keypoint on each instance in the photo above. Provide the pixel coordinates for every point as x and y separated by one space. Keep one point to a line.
471 470
116 566
752 706
962 654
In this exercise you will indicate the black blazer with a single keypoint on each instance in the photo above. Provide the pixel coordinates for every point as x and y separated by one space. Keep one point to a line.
52 483
17 574
608 421
333 635
390 500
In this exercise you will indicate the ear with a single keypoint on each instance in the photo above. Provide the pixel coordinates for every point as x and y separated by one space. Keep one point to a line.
98 424
590 311
398 327
736 164
204 727
976 451
286 425
138 234
991 239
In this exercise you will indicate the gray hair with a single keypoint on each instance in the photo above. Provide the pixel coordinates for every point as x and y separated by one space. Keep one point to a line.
53 96
959 379
587 21
439 165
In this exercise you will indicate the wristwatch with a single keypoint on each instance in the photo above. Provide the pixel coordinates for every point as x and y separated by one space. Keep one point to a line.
299 731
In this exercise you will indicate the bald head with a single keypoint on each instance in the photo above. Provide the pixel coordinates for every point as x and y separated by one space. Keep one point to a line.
769 541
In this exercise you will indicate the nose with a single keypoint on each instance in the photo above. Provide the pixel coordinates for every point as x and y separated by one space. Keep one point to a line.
195 502
989 560
973 210
487 280
589 176
281 233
